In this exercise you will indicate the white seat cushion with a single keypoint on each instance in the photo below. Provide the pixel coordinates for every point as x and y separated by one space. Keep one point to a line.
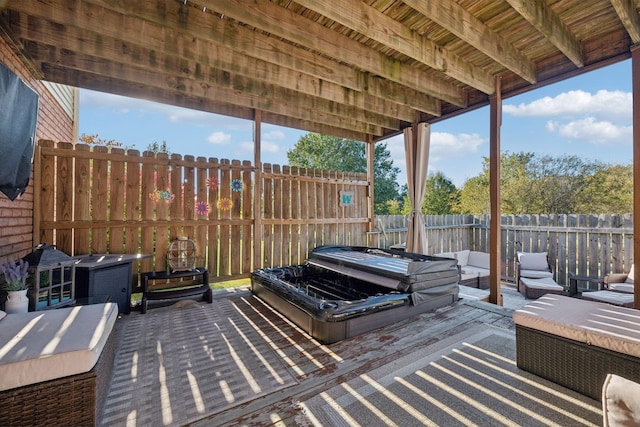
536 274
603 325
44 345
543 283
627 288
615 298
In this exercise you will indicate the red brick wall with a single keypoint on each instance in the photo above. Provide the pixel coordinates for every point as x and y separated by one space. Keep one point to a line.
16 218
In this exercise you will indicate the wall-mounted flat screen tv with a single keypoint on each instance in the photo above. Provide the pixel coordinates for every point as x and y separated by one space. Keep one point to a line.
18 118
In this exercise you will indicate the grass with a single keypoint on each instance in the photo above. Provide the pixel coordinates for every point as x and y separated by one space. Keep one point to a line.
217 285
231 283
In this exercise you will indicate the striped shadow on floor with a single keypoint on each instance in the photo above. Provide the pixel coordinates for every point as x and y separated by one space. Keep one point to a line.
177 364
472 382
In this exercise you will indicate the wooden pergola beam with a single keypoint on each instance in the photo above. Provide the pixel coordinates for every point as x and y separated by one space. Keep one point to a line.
451 16
217 84
539 14
628 15
372 23
282 22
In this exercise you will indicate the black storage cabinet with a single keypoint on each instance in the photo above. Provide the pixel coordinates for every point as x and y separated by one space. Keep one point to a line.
108 275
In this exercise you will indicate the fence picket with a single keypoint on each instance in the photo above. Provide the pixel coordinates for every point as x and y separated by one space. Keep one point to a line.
124 218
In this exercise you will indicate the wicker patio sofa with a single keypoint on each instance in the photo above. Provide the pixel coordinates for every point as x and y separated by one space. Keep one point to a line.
55 365
473 267
577 343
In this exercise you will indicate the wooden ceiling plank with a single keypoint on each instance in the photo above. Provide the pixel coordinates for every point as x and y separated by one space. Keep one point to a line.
125 88
281 22
215 85
539 14
291 122
628 15
451 16
74 40
377 26
201 34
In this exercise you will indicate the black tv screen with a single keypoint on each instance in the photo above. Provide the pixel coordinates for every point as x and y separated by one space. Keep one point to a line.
18 118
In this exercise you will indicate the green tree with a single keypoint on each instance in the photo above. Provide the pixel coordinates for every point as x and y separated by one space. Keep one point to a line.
474 196
609 190
159 147
333 153
533 184
441 196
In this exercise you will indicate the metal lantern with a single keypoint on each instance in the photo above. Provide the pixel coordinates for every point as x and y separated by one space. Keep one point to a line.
52 277
181 254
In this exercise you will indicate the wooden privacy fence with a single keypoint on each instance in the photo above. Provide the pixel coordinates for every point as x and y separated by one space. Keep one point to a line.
591 245
92 200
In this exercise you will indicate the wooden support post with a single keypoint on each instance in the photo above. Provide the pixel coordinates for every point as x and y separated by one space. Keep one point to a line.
495 119
635 77
257 192
370 153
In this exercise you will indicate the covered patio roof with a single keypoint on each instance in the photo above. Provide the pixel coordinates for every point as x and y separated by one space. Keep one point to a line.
362 70
359 69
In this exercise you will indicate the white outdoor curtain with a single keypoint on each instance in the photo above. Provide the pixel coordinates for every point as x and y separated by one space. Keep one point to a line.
416 149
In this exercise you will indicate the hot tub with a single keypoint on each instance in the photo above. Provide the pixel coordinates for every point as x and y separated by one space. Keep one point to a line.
343 291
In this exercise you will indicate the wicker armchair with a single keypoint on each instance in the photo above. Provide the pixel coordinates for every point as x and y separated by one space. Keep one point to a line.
620 282
534 265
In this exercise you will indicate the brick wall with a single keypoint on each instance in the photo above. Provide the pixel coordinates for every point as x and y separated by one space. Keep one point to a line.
16 218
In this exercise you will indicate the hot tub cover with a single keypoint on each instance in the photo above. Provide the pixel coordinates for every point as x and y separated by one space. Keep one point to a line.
398 270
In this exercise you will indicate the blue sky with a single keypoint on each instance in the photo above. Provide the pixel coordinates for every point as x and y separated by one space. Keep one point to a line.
588 116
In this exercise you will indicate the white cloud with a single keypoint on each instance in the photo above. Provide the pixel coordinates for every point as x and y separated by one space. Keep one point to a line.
274 134
604 104
174 114
269 147
591 130
446 145
443 145
219 138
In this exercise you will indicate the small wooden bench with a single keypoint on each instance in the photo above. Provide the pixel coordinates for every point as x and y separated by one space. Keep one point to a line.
159 285
576 343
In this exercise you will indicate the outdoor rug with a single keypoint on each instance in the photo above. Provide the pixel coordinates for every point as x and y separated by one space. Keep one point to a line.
177 364
470 382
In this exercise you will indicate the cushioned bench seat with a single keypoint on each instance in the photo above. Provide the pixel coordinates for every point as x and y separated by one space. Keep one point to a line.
610 297
54 355
576 343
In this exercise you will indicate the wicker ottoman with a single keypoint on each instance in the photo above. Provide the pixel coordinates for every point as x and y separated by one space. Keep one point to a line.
616 298
577 343
66 384
535 288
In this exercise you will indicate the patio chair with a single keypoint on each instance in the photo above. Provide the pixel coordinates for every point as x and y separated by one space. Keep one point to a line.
534 275
620 282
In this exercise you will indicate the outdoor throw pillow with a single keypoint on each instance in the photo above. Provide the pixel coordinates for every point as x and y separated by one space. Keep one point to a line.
631 275
463 257
533 261
620 402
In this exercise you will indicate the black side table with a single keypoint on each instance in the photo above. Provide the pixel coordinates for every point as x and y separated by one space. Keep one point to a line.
165 291
575 278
